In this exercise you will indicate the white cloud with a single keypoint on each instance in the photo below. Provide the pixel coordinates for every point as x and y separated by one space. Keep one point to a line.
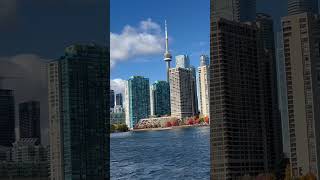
118 85
136 41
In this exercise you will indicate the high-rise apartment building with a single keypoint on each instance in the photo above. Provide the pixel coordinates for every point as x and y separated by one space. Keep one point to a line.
282 94
7 117
137 100
119 100
29 120
269 91
301 39
160 98
182 92
234 10
112 100
183 61
204 85
237 133
78 114
301 6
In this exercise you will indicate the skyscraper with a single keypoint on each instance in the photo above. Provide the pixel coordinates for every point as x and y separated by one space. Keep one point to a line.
119 100
301 38
237 135
234 10
77 112
182 92
7 117
269 91
183 61
301 6
160 98
29 120
204 85
282 94
137 100
112 102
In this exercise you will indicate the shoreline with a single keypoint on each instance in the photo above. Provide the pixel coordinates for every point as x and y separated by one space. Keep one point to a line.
168 128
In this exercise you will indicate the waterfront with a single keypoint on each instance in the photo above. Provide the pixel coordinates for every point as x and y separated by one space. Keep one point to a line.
181 153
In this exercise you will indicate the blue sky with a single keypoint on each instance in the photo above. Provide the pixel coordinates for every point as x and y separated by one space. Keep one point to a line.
188 23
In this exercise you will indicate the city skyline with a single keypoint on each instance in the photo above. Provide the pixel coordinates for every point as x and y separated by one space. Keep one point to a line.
193 44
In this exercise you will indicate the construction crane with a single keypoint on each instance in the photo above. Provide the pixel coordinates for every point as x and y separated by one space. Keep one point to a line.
2 78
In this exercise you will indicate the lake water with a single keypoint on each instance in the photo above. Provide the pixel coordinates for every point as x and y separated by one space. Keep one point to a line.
180 154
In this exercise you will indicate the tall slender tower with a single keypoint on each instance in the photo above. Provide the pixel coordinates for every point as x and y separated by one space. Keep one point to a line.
167 55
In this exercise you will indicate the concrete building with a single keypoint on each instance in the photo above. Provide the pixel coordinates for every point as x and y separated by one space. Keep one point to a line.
282 95
301 38
204 85
234 10
182 61
7 117
182 92
29 120
78 88
137 100
301 6
160 98
28 150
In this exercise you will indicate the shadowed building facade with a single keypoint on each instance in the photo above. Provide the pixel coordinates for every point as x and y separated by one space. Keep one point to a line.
78 113
29 120
7 117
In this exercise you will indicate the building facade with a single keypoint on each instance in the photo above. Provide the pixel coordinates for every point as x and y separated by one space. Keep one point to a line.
160 98
204 85
119 100
7 117
301 6
29 120
182 92
234 10
137 100
282 94
112 100
78 113
301 38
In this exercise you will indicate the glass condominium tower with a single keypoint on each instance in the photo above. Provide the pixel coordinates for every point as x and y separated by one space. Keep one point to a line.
137 100
160 98
78 97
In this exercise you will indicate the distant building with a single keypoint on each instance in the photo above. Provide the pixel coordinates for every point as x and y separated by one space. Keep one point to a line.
160 98
119 100
78 96
112 102
7 117
29 120
182 92
137 100
301 34
204 85
117 118
28 150
301 6
182 61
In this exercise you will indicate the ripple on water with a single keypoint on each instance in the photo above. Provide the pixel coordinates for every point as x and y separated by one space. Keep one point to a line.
170 154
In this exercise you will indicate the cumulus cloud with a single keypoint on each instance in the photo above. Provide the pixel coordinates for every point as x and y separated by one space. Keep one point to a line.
118 85
136 41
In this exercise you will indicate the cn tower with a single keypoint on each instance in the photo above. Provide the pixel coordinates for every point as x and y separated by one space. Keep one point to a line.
167 55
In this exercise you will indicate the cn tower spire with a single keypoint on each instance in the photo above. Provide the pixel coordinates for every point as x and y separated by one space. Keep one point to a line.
167 55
